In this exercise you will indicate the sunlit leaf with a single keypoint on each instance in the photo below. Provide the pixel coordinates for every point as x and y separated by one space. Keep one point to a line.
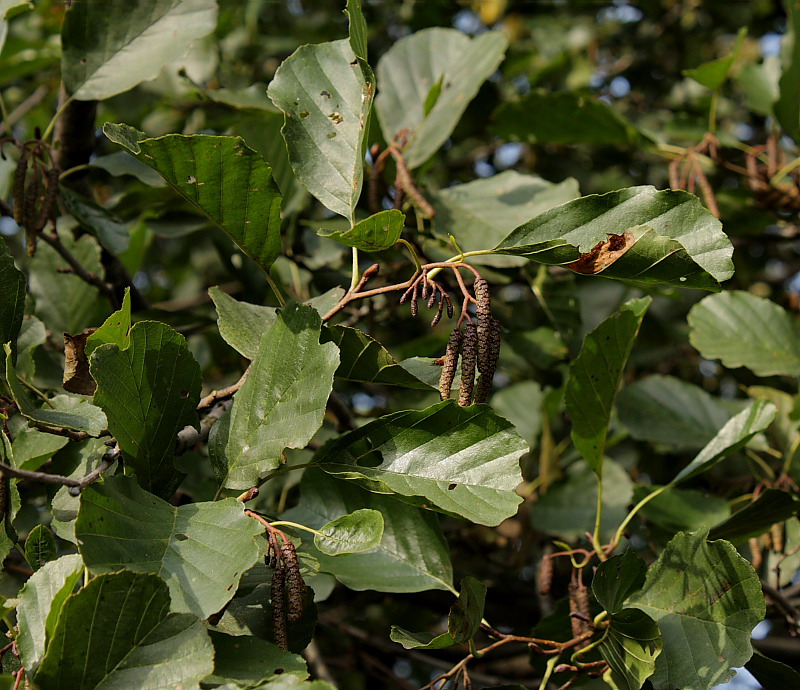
373 234
355 532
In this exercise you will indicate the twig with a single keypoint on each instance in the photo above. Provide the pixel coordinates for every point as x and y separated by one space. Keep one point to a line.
316 663
77 268
223 393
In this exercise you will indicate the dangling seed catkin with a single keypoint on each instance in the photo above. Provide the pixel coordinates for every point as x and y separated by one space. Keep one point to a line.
450 364
19 187
49 198
484 311
490 363
469 356
277 599
296 588
450 308
546 575
414 297
29 215
437 317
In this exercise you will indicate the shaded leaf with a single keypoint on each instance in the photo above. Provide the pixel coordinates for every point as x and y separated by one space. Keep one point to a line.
730 438
133 640
665 237
282 402
244 202
64 301
373 234
249 661
33 447
149 391
102 223
594 378
521 404
616 579
630 648
115 329
771 674
463 460
200 550
124 54
12 299
568 509
479 214
444 60
365 360
706 600
123 163
713 74
8 535
463 622
40 547
326 94
40 602
681 509
358 28
355 532
670 412
743 330
563 118
787 107
756 518
62 411
412 555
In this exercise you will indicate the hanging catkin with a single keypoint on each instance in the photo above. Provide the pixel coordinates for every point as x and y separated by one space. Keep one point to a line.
295 587
492 356
278 601
469 357
483 308
450 364
19 187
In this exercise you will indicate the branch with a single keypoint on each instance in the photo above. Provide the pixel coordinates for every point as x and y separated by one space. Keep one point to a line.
77 268
223 393
189 437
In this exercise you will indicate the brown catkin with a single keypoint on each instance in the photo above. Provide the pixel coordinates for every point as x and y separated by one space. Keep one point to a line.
755 553
296 588
469 357
776 531
278 601
578 603
432 298
546 575
19 187
29 214
450 364
47 201
492 357
414 298
450 309
437 317
484 312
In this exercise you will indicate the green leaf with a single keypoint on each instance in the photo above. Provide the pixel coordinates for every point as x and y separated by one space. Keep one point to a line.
743 330
64 302
373 234
123 54
12 299
616 579
594 378
521 404
481 213
40 547
413 66
248 661
365 360
462 623
759 82
33 447
8 535
122 163
630 647
116 329
568 509
706 600
19 6
282 402
107 227
200 550
734 435
222 178
62 411
149 392
121 621
564 118
326 94
787 107
681 509
771 674
714 74
462 460
673 413
358 28
40 602
412 555
771 506
663 237
359 531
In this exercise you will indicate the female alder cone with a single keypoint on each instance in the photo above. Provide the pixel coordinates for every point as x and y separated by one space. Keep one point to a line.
469 357
450 364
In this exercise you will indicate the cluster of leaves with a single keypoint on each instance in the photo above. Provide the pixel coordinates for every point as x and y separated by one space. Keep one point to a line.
150 459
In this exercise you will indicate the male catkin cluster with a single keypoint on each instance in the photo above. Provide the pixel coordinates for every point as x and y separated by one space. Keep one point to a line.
34 195
478 347
288 592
